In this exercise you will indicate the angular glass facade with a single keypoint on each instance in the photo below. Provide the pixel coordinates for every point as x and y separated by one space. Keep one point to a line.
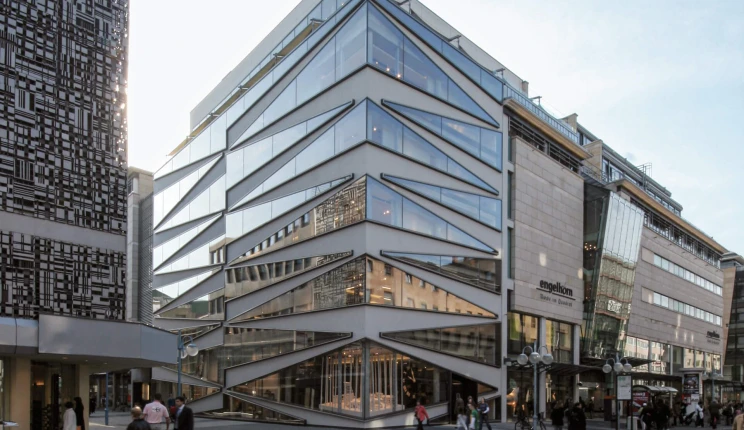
235 408
364 280
484 209
612 240
482 143
165 201
480 343
362 380
480 272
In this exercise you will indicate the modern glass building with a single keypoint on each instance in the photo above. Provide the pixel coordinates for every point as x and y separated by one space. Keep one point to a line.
369 210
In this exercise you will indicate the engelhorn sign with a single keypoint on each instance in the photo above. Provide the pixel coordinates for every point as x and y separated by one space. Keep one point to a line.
556 288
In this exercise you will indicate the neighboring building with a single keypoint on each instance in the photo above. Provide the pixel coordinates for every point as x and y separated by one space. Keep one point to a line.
63 207
733 328
332 235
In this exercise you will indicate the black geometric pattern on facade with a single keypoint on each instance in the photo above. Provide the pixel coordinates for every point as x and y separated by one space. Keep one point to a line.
41 275
62 103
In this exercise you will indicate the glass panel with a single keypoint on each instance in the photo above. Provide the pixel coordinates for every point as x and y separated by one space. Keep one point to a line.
198 309
384 205
245 279
350 130
166 200
426 190
479 142
385 45
206 255
416 147
210 201
418 219
237 409
468 204
522 331
490 212
164 295
168 249
559 340
190 392
384 129
319 73
461 62
351 44
419 71
343 208
481 272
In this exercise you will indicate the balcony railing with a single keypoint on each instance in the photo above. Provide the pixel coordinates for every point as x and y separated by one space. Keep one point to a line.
528 104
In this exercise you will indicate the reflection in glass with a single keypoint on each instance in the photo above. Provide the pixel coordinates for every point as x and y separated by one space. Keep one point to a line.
207 307
522 331
559 340
166 200
479 75
349 131
209 201
479 142
386 206
344 208
385 45
335 382
209 254
243 222
660 357
246 345
246 160
190 392
237 409
165 294
166 250
345 286
479 343
247 279
484 209
481 272
384 130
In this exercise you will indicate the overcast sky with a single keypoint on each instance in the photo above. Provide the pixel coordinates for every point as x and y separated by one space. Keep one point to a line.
660 81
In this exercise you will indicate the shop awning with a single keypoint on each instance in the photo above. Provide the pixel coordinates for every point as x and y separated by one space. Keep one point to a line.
599 362
566 369
656 376
732 387
653 389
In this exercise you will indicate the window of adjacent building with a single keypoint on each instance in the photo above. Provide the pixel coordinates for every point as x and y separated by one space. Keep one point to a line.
522 331
687 275
677 306
559 340
510 253
510 195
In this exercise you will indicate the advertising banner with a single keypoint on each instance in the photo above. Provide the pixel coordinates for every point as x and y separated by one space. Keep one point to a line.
624 387
691 383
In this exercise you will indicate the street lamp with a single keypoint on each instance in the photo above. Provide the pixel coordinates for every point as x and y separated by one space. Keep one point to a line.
713 376
535 359
186 348
616 366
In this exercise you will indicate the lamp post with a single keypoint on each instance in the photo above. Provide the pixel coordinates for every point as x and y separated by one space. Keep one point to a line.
616 367
184 350
535 359
712 376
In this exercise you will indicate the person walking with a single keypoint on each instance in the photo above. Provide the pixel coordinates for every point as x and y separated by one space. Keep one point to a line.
578 417
138 421
714 409
80 413
460 412
473 417
156 413
184 415
69 421
556 416
661 415
699 415
420 414
738 422
483 409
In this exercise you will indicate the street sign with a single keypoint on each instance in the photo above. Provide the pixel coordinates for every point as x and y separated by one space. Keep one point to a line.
624 387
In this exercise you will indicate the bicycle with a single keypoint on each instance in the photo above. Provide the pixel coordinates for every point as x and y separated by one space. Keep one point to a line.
523 424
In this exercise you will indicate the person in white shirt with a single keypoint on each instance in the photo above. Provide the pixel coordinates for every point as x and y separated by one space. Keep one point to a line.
156 413
69 419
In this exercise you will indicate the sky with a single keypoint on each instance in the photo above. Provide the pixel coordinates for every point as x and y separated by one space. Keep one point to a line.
660 81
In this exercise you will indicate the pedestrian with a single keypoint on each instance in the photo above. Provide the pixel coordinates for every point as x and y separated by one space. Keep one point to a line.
738 422
473 417
699 415
661 415
484 410
156 413
557 416
578 417
714 409
80 413
93 402
590 408
184 415
138 422
677 413
420 414
467 407
69 421
460 412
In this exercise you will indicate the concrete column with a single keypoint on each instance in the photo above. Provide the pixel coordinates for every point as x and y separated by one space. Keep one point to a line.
82 374
576 358
541 390
19 391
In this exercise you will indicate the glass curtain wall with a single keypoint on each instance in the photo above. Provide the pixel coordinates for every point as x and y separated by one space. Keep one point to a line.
612 238
362 379
522 331
480 343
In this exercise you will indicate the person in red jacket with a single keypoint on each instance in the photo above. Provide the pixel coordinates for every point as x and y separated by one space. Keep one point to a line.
421 415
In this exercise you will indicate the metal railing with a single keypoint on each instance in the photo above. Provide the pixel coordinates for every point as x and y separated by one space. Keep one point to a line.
558 125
